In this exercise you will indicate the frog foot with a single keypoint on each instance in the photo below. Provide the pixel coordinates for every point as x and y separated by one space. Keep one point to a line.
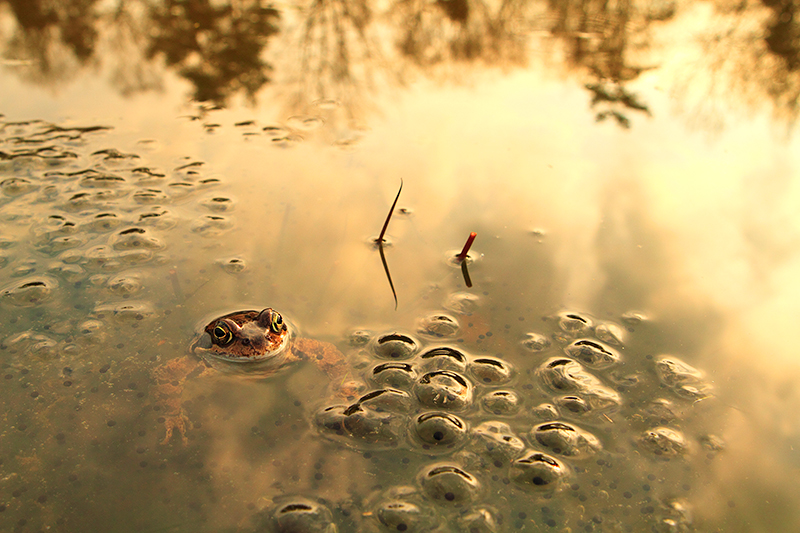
179 422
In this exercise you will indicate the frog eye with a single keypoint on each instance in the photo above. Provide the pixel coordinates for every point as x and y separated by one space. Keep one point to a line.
276 323
222 334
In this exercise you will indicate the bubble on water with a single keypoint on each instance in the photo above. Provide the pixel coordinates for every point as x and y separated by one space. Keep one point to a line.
478 520
610 333
664 441
438 325
399 515
661 410
180 189
150 196
112 154
685 380
29 292
497 441
490 370
304 122
131 312
359 337
565 375
398 375
538 471
6 242
90 331
69 273
301 515
98 258
535 342
443 358
592 353
50 235
135 257
233 265
598 401
545 412
99 180
395 346
126 284
96 199
574 405
103 222
211 225
565 439
135 239
276 132
634 318
287 141
217 204
17 186
157 218
24 268
463 303
574 324
501 402
359 425
57 245
386 399
444 389
147 175
673 516
439 429
447 483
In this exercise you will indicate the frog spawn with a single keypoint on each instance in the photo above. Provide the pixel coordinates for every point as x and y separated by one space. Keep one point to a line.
483 422
90 233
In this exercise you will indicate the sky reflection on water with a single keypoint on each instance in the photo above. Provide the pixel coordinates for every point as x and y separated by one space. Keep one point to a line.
638 156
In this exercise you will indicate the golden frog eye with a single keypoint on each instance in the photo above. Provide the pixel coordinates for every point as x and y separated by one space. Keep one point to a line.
222 334
276 324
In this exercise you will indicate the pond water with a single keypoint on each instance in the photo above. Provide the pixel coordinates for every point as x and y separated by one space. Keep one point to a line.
614 354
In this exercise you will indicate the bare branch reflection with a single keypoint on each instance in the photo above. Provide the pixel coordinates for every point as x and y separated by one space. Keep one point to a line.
750 60
58 37
433 33
338 58
334 56
599 38
217 48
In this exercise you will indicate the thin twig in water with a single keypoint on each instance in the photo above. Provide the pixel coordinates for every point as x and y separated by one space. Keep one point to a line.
467 246
463 256
380 243
465 272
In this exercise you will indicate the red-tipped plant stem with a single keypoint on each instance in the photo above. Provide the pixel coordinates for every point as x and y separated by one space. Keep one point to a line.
467 246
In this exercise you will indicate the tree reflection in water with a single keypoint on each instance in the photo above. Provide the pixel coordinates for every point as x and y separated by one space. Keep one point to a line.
218 49
339 51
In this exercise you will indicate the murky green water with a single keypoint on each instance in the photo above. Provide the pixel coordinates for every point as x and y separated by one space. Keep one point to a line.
621 362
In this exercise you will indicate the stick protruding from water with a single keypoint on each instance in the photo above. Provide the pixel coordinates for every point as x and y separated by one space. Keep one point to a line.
467 245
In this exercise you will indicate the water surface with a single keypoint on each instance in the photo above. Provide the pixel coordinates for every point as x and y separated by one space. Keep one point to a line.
631 173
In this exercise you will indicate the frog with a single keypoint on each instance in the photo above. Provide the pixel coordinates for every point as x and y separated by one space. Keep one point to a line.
247 344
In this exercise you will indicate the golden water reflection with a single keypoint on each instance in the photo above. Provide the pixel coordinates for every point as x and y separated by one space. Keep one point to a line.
501 119
347 52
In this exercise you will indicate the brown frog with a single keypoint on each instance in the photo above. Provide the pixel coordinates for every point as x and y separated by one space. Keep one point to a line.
248 344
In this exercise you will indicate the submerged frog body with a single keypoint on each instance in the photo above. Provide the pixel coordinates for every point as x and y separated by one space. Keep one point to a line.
249 344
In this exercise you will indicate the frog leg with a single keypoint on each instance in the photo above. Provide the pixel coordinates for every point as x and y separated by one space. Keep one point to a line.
176 421
330 360
170 379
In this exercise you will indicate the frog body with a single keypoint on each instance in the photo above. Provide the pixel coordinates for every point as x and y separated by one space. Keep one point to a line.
246 344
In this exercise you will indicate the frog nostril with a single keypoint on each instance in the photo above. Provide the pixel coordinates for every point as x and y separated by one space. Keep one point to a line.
246 342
